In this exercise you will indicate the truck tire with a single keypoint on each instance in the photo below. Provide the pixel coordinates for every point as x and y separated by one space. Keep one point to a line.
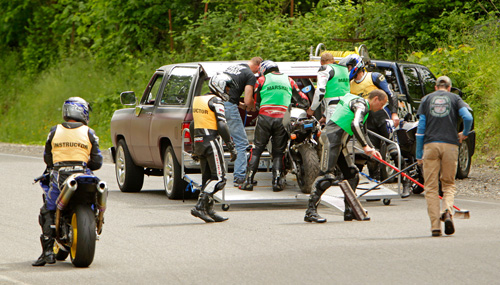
172 180
308 169
464 160
84 236
129 176
386 171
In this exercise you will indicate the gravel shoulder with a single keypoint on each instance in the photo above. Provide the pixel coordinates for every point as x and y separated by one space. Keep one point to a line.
482 182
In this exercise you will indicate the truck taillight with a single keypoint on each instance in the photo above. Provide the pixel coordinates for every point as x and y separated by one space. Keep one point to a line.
187 137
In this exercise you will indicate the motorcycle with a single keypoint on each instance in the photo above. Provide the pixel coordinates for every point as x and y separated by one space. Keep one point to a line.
79 217
301 153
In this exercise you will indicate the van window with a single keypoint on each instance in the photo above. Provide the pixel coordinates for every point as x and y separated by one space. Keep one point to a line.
177 88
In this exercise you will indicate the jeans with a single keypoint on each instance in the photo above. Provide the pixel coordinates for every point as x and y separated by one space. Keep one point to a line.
237 130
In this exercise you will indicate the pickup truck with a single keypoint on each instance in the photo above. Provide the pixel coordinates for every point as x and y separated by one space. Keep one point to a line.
150 135
411 82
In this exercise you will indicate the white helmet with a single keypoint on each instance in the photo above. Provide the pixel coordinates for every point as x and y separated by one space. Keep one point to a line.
75 108
218 84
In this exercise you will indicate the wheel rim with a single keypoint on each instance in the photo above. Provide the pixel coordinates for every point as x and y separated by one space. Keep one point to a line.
74 230
463 156
168 173
120 166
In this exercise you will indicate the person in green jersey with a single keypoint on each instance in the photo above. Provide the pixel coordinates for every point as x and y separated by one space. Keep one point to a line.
347 120
274 92
332 84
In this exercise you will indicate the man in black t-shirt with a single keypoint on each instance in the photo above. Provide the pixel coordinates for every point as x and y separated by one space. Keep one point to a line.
244 75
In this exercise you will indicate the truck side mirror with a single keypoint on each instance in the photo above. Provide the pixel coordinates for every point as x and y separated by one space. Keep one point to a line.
127 98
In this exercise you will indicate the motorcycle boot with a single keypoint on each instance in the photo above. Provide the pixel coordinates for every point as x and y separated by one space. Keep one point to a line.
249 183
278 181
211 212
320 186
47 255
199 210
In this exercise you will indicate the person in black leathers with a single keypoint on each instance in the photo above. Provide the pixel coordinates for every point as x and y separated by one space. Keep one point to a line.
274 93
70 147
348 119
207 127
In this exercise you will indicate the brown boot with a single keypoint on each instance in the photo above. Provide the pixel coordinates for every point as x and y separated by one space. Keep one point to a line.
449 228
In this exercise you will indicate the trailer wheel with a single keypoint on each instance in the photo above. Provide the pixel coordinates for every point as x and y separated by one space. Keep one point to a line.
386 202
225 207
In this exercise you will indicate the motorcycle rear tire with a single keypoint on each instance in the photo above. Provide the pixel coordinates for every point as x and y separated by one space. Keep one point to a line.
83 229
309 168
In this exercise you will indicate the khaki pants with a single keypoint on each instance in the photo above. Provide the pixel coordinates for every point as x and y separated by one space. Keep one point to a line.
440 163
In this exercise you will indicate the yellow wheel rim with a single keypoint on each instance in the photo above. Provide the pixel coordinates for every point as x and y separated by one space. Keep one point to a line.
75 235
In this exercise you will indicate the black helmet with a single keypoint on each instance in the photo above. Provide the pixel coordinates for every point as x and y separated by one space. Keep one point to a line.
218 84
75 108
355 62
268 66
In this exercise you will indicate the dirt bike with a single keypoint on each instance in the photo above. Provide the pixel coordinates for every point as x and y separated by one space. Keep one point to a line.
301 153
79 217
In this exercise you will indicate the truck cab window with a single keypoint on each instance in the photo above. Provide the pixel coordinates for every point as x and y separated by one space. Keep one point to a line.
413 82
428 79
178 85
152 90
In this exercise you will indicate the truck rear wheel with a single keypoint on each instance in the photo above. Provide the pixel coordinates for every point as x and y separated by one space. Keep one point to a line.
172 180
129 176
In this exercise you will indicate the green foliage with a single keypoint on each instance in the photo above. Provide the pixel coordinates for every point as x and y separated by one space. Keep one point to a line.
472 68
53 49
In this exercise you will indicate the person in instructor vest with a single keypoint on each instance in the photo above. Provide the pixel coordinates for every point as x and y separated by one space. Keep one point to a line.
207 127
362 82
71 147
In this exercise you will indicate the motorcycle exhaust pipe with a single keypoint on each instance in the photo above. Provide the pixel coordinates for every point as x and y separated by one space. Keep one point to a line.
102 197
67 192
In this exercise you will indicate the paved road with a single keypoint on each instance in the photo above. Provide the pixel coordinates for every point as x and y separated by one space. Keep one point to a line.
149 239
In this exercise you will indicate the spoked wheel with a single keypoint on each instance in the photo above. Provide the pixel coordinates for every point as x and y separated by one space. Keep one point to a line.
83 236
308 169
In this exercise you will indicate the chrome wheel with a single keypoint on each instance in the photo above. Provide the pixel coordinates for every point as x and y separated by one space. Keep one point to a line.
120 166
168 173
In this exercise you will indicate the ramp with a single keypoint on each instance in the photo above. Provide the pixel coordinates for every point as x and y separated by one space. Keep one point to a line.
263 193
